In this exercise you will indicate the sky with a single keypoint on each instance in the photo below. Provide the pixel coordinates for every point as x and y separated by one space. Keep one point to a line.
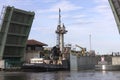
81 18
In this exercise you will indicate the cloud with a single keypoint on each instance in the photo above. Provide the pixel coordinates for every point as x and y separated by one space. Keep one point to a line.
48 1
43 29
79 16
19 2
56 16
103 9
101 1
64 5
84 22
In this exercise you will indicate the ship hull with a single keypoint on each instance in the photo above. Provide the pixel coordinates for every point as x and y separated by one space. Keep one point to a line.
46 67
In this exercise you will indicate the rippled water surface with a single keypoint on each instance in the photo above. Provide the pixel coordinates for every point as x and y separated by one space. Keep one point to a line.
62 75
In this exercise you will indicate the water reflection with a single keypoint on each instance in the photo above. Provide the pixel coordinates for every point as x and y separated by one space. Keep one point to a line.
12 76
73 75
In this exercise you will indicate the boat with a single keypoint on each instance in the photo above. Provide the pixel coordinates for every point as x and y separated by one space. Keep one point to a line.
38 64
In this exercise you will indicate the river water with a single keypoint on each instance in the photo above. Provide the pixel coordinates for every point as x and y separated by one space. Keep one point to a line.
62 75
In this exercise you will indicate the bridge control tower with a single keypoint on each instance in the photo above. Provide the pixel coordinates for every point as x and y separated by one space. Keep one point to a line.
60 33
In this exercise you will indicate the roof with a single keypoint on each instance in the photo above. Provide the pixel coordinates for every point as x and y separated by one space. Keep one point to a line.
34 42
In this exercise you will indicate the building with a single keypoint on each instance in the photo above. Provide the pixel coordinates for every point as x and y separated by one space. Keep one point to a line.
34 49
115 5
14 32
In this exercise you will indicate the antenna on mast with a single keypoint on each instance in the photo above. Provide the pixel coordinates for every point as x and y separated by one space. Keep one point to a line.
59 16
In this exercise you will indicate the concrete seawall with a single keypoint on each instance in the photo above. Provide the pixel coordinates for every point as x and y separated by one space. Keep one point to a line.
89 62
82 62
86 62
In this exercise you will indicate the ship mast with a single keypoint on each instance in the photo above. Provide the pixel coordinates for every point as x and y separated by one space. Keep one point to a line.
60 33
